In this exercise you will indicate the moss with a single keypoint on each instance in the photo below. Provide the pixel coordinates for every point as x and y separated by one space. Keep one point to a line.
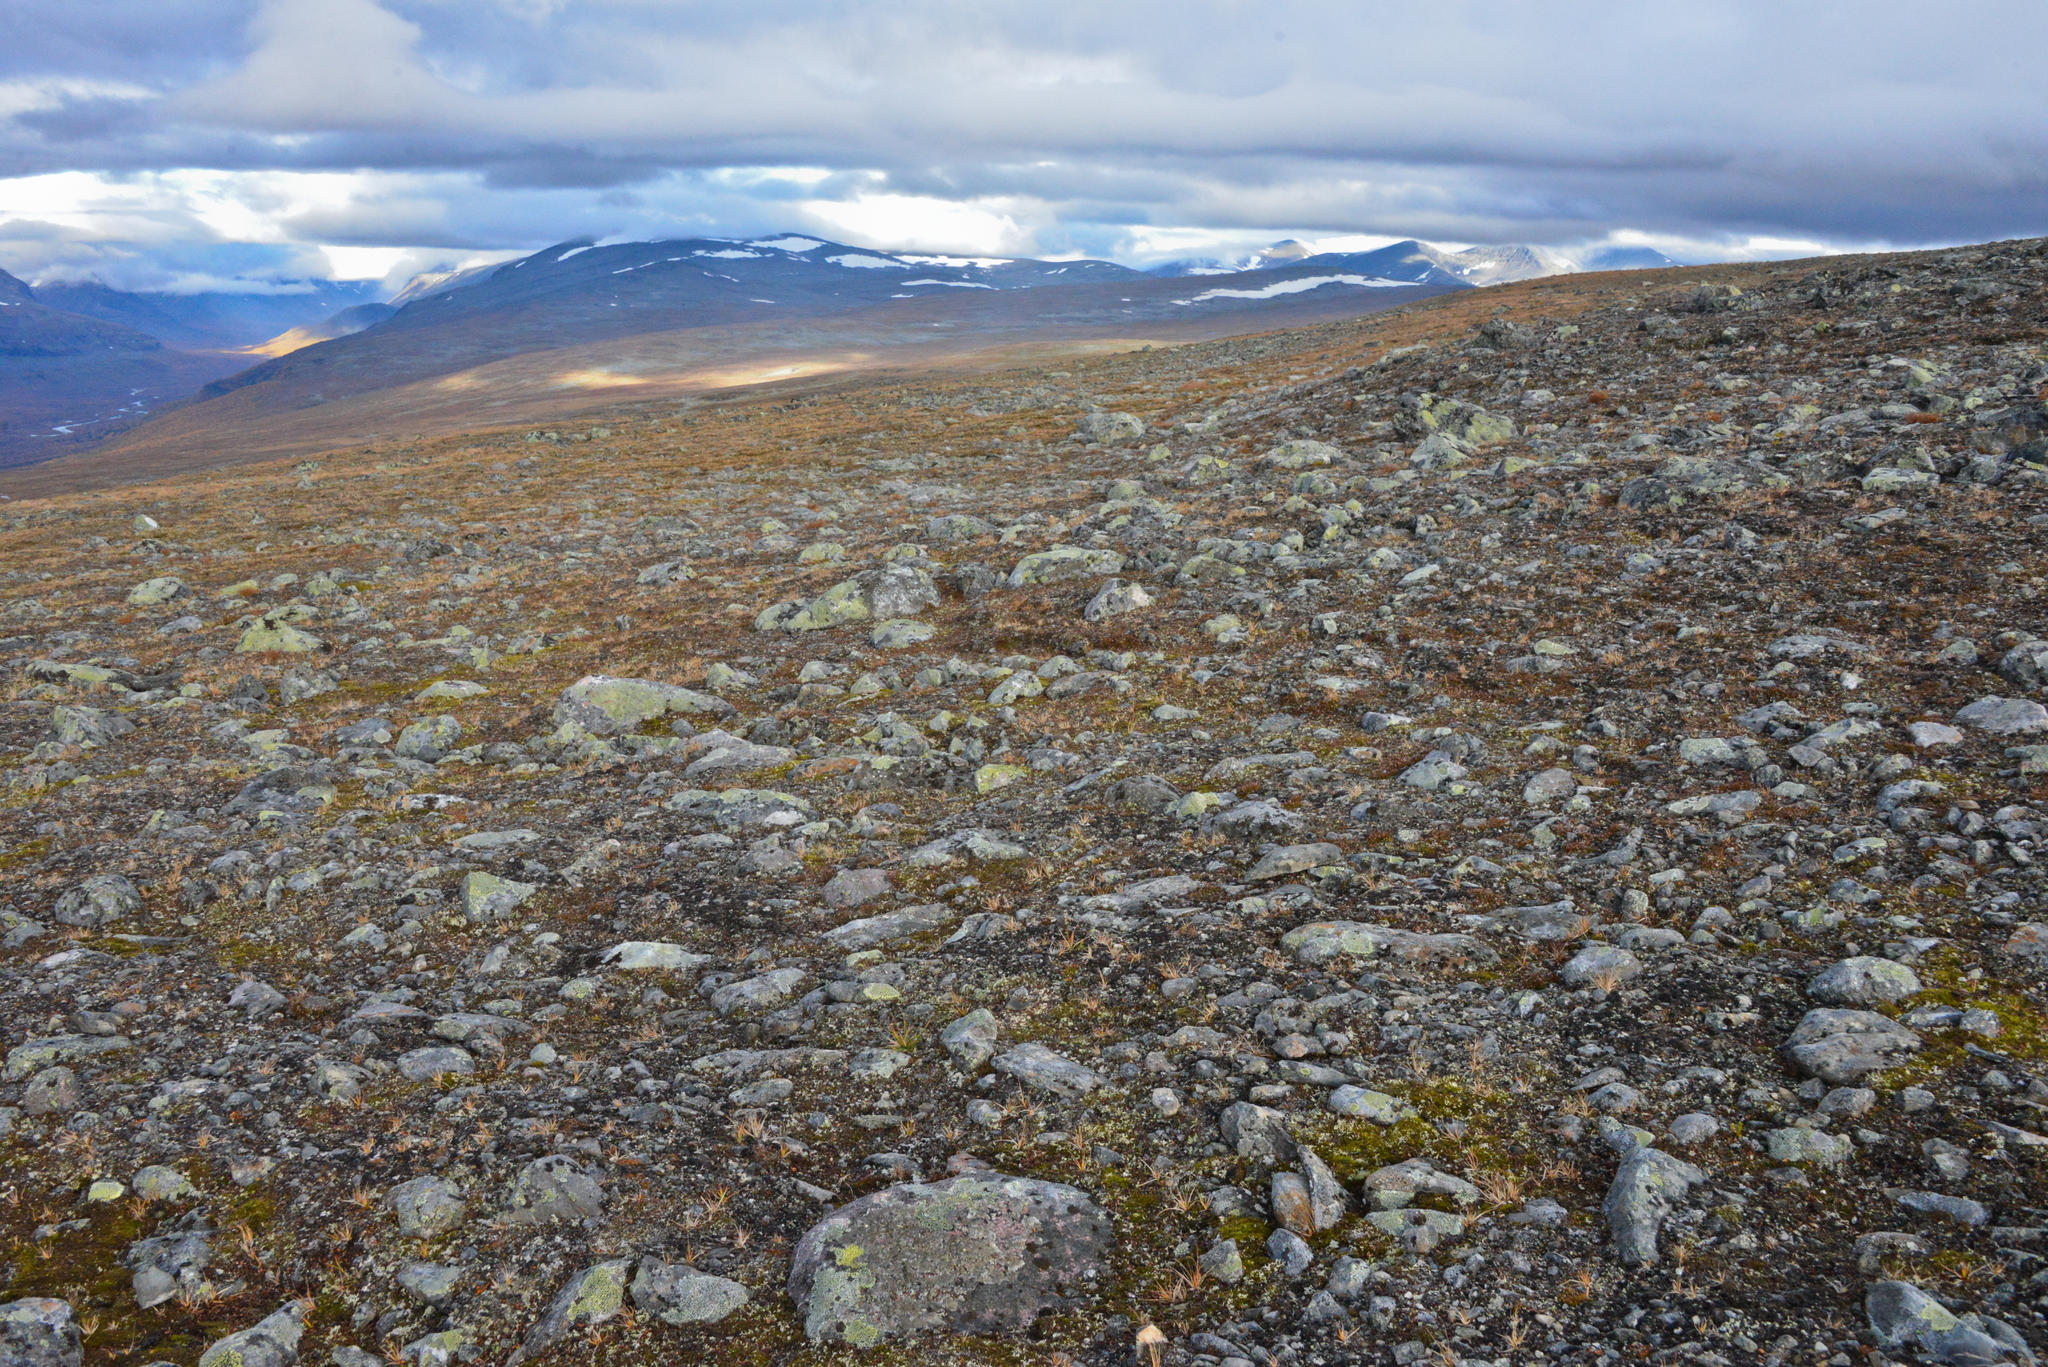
25 853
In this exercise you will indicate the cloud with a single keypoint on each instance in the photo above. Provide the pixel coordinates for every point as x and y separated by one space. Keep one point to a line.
1057 125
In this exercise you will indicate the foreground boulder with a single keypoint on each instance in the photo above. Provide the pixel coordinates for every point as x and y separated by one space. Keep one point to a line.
1646 1190
1841 1048
880 594
979 1254
605 706
1904 1316
273 1342
39 1332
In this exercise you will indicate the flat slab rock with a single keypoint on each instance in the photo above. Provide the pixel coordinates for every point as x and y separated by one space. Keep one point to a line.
1319 942
982 1253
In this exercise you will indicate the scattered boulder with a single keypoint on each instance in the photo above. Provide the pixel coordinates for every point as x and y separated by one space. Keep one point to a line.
982 1253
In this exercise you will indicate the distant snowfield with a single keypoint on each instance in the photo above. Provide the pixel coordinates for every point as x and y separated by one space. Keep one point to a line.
956 284
983 262
732 254
591 247
1306 283
788 244
867 263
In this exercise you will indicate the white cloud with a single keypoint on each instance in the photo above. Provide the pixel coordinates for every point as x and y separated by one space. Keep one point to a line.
1147 129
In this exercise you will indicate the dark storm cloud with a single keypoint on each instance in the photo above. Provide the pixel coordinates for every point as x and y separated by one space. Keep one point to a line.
1873 121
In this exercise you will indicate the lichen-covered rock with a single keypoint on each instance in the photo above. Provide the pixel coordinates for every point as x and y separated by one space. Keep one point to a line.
2026 665
487 897
677 1293
1822 1149
554 1187
1862 981
1318 942
428 739
971 1040
1115 599
977 1254
38 1331
426 1207
269 635
88 727
890 926
1256 1132
1110 428
1646 1189
1842 1047
161 589
606 706
592 1296
100 900
879 594
1048 1071
272 1342
1061 563
1903 1316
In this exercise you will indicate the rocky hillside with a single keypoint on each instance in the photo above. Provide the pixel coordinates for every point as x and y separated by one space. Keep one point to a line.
1508 831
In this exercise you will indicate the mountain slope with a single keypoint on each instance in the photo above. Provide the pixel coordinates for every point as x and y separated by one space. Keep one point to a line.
576 329
68 381
212 320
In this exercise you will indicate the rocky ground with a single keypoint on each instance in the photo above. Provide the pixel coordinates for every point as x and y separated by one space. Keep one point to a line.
1506 832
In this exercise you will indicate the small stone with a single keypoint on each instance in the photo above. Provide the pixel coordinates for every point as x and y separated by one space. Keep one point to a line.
1222 1261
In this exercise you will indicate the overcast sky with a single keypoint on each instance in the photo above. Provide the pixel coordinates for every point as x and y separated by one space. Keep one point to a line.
175 143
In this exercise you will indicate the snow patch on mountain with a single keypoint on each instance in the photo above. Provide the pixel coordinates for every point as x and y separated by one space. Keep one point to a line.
1300 286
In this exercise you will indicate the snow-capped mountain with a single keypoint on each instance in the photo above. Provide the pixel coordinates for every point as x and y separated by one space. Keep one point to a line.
1424 264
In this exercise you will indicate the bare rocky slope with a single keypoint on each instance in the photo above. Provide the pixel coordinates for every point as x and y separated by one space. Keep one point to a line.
1508 831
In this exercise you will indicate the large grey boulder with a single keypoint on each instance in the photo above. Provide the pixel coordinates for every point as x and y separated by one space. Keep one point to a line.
877 595
1904 1316
1863 980
273 1342
1318 942
1842 1047
677 1293
592 1296
426 1207
88 728
979 1254
1256 1132
1045 1070
2026 664
38 1331
2004 716
971 1040
553 1188
1646 1190
1109 427
99 900
604 706
890 926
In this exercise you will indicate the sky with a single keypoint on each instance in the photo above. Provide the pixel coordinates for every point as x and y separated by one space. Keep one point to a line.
191 144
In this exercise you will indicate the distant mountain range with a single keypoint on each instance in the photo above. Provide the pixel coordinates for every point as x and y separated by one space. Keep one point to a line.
1423 264
82 362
